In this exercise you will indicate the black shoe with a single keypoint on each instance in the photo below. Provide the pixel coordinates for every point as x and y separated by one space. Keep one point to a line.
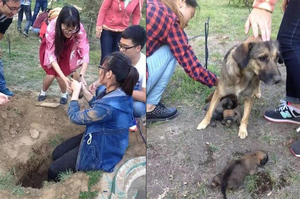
41 97
285 113
161 113
295 149
63 100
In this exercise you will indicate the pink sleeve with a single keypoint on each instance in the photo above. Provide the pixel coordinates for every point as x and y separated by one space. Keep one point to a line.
136 15
50 47
83 45
265 4
103 11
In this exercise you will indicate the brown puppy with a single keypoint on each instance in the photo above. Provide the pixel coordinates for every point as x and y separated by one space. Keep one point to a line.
234 174
243 68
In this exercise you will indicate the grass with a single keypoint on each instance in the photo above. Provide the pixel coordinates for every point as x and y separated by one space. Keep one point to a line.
94 177
7 183
64 175
56 140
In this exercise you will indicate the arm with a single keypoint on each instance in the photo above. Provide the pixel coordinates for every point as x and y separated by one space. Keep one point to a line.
136 15
101 16
139 95
260 17
184 54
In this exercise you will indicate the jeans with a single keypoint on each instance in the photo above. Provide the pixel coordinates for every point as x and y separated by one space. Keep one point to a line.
109 42
289 40
39 4
36 30
139 109
161 65
27 10
65 157
2 79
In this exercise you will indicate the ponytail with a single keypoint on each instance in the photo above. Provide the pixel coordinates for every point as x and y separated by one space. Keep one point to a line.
130 81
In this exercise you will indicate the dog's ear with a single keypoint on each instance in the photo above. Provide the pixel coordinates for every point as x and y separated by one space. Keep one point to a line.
241 54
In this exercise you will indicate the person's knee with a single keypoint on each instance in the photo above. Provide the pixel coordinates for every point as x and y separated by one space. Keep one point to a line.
52 173
139 109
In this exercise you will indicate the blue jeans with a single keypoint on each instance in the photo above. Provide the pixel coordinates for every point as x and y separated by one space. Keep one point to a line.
289 40
39 4
36 30
2 79
27 10
109 42
161 65
139 109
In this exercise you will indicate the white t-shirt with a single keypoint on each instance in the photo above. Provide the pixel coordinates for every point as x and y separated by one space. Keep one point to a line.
141 68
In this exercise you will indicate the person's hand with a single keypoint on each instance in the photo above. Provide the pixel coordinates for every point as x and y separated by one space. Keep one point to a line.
82 79
284 5
76 86
259 18
93 87
68 83
98 31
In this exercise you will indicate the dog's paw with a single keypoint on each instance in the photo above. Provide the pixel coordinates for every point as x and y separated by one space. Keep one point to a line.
243 133
202 125
257 95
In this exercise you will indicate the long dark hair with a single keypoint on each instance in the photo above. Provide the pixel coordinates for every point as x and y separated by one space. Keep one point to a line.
120 65
69 16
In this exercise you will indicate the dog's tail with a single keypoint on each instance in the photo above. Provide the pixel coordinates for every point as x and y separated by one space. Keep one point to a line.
226 176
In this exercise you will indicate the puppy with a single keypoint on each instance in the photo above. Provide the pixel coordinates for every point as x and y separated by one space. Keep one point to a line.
234 174
243 68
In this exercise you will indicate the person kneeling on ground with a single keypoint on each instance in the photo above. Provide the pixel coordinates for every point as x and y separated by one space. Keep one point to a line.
107 121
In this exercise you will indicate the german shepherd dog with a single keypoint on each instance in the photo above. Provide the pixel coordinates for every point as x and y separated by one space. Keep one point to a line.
234 174
244 66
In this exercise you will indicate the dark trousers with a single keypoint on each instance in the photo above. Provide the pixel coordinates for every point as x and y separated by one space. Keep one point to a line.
289 40
27 10
39 4
109 42
64 157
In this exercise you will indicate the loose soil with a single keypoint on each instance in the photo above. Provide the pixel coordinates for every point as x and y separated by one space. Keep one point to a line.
28 159
182 161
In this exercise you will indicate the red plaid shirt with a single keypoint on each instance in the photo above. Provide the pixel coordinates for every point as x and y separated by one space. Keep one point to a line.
163 28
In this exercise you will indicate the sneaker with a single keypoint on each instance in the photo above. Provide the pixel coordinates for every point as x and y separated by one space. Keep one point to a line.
30 28
134 127
285 113
26 34
41 97
63 100
295 149
7 92
161 113
19 29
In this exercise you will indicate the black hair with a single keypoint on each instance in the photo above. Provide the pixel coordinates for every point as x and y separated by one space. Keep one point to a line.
120 65
68 16
5 1
192 3
136 33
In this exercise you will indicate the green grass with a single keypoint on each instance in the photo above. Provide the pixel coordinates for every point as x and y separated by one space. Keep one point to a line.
64 175
94 177
7 183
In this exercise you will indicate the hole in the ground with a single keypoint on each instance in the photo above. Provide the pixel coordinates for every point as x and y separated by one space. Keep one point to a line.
35 178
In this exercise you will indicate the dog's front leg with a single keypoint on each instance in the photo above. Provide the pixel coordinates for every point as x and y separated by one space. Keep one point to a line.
247 109
258 91
214 102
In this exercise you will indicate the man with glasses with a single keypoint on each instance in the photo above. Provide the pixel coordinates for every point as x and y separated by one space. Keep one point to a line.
8 8
132 42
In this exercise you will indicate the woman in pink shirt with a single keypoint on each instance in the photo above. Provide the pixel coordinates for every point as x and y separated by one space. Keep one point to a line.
113 18
64 49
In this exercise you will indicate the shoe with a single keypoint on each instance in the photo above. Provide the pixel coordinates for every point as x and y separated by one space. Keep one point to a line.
26 34
30 28
63 100
19 29
134 127
7 92
295 149
284 113
161 113
41 97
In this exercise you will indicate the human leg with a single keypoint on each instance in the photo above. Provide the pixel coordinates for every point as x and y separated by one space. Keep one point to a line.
3 88
47 81
20 18
36 11
116 40
106 41
27 10
161 66
289 40
63 88
139 109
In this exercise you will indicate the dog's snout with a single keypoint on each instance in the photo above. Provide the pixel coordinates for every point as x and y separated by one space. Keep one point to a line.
277 79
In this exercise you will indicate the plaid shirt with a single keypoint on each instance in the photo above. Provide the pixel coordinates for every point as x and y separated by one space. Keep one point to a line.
163 28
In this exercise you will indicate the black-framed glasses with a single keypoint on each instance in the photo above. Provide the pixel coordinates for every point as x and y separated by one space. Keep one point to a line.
12 9
125 47
101 67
